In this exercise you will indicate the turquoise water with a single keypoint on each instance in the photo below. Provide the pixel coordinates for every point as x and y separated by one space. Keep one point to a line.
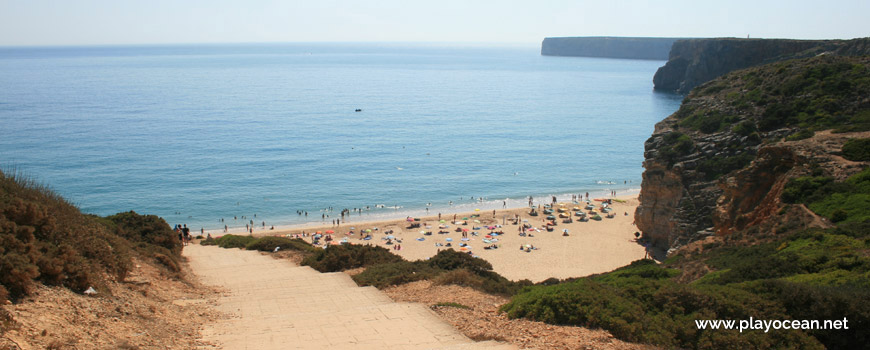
199 132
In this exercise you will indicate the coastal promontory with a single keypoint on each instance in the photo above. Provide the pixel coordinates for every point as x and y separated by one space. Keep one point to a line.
609 47
693 62
722 163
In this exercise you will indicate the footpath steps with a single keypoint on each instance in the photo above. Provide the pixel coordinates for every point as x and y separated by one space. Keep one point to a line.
276 304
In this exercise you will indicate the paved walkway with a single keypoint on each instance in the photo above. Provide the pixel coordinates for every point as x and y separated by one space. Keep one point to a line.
279 305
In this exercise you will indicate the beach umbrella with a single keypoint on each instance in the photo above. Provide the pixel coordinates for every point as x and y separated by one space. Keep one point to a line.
318 232
441 221
391 237
330 231
465 218
449 239
368 230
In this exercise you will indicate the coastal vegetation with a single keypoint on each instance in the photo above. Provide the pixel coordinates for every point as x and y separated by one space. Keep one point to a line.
774 271
382 267
805 96
814 274
45 239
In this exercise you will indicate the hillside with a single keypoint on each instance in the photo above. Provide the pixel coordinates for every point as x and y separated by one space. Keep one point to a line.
51 253
759 189
720 163
693 62
609 47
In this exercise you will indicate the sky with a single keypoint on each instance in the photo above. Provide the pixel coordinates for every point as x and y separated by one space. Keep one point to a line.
106 22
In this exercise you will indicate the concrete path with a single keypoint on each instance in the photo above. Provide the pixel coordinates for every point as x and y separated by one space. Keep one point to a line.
278 305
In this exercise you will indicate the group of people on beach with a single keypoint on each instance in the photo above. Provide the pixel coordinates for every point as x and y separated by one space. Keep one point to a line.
183 233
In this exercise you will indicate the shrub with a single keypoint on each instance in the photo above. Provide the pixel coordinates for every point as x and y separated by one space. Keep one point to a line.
642 303
234 241
459 277
744 128
675 145
269 243
797 189
150 229
857 150
800 135
349 256
208 241
717 166
451 304
392 274
450 259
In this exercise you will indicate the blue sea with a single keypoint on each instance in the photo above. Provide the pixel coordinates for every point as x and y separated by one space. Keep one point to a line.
196 133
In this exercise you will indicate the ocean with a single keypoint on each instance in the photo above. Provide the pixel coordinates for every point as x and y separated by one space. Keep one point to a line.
196 133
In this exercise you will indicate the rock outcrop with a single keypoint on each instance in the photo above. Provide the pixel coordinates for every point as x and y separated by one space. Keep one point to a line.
609 47
695 61
720 163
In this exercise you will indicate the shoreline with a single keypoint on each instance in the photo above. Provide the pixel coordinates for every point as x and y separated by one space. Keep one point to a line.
591 247
369 215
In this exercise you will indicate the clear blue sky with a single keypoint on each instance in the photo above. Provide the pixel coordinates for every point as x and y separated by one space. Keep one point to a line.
85 22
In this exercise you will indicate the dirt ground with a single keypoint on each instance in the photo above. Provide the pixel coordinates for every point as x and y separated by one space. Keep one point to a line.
482 321
150 310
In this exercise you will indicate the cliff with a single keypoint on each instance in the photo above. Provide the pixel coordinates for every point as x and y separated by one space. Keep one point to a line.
696 61
719 165
609 47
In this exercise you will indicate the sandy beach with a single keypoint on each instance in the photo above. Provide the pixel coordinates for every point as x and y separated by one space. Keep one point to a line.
590 247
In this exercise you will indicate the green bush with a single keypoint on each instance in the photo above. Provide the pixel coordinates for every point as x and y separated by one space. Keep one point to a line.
800 135
446 267
717 166
349 256
269 243
642 303
234 241
208 241
744 128
459 277
857 150
798 189
675 145
846 201
43 237
150 229
451 304
393 274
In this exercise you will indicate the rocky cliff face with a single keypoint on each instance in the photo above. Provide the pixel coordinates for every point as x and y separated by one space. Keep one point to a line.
696 61
609 47
719 164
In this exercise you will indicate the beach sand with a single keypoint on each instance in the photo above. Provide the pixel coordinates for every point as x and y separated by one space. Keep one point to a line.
591 247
